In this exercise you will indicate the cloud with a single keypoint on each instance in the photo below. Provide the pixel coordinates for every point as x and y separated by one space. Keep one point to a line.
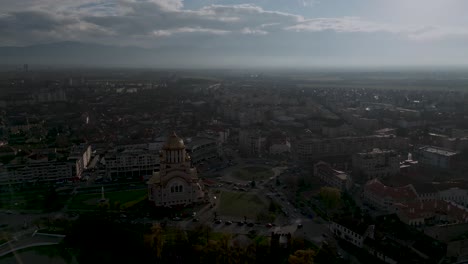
344 24
146 22
437 33
166 33
358 25
250 31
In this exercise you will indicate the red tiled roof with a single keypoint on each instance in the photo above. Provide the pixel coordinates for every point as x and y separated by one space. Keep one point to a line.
425 209
403 193
209 182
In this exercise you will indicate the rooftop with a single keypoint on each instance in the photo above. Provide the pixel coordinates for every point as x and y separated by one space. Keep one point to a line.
402 193
325 166
439 151
425 209
353 224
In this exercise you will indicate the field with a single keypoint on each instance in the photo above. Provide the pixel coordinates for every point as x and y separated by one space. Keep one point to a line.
125 199
253 173
240 204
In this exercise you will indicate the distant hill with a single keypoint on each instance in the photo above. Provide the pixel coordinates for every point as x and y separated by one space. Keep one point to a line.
76 53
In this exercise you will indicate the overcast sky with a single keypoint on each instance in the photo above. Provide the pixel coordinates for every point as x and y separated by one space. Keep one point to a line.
292 32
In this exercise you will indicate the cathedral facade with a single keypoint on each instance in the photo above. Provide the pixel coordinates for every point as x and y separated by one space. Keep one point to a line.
177 182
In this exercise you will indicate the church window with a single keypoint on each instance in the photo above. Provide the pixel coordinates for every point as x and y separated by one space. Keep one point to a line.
177 188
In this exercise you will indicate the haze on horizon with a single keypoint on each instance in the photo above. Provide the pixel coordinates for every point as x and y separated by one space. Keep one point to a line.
224 33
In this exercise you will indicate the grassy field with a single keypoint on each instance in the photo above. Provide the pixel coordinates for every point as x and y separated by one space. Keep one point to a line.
240 204
253 173
124 198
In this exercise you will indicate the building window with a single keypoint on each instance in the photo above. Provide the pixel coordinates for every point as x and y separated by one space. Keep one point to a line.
177 188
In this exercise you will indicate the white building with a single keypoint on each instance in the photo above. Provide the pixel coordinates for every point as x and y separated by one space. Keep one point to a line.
436 157
202 149
376 164
332 177
456 192
280 147
352 233
80 156
135 161
40 172
177 182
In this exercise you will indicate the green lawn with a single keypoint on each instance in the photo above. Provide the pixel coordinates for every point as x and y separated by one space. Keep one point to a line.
240 204
125 198
253 173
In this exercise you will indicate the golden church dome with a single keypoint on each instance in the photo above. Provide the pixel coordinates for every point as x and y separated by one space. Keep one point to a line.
174 142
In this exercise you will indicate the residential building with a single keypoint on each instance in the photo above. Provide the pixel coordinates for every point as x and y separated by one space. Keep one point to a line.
376 164
331 177
202 149
352 231
436 157
40 172
280 146
384 197
418 213
132 161
251 142
80 155
315 148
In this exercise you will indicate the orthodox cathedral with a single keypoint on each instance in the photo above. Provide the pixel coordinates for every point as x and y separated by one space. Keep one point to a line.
177 182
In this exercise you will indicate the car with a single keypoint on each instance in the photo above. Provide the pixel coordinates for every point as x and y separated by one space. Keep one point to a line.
195 220
176 218
228 222
269 225
250 224
299 226
240 223
218 221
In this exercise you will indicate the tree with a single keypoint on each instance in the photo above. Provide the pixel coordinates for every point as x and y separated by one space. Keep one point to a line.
302 257
155 240
225 248
331 197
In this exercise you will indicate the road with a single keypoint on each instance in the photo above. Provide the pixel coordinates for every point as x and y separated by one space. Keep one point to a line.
28 239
